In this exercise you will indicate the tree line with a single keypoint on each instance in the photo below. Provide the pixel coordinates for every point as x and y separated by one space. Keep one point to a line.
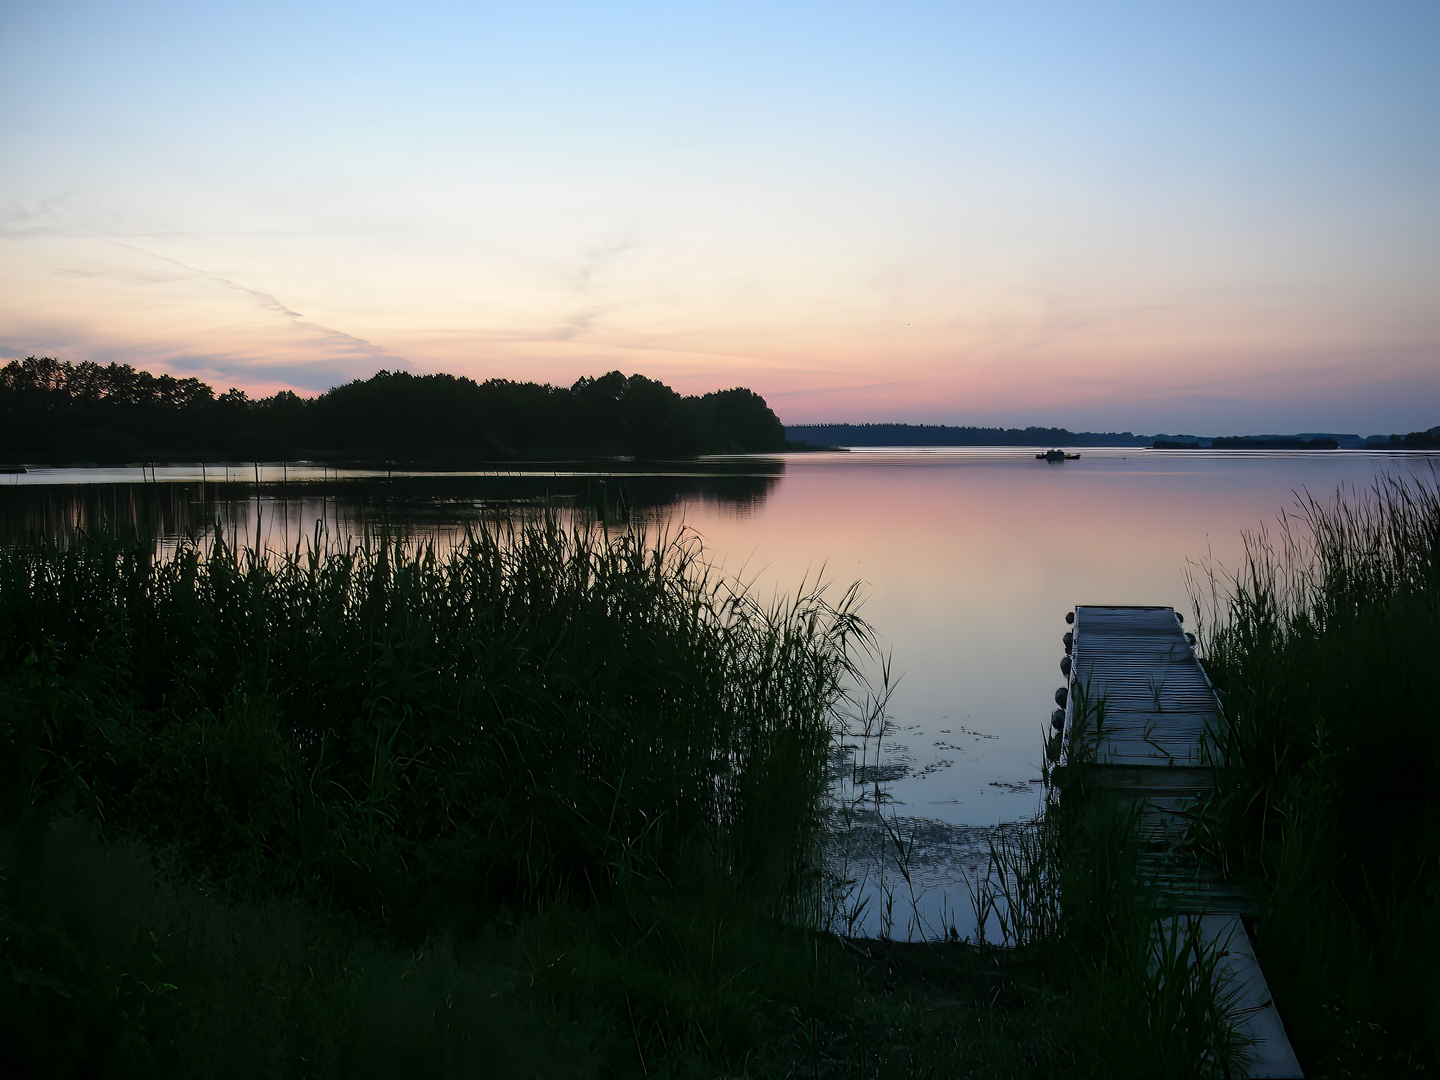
56 412
945 435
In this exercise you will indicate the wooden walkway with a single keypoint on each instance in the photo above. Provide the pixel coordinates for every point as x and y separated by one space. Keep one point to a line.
1157 743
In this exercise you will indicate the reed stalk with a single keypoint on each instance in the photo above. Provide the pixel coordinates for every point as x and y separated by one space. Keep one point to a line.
1323 646
588 735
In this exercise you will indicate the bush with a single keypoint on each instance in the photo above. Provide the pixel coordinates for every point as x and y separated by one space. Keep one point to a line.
1324 647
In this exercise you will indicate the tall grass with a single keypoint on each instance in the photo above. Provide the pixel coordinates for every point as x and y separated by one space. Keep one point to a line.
559 724
1072 885
1324 647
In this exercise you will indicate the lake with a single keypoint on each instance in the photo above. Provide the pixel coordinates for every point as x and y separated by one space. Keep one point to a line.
969 560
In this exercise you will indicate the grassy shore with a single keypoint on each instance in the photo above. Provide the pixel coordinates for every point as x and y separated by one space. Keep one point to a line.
1324 647
576 737
547 804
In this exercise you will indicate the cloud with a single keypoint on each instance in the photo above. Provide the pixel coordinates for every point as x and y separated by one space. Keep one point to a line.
265 300
224 371
49 216
143 309
597 258
325 335
591 264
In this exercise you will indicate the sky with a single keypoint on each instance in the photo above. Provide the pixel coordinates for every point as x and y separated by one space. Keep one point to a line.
1216 218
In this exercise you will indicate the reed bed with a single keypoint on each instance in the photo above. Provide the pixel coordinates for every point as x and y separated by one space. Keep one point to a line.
552 801
1323 645
1071 887
590 738
534 715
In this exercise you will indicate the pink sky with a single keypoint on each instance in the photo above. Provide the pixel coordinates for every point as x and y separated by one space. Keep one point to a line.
1210 219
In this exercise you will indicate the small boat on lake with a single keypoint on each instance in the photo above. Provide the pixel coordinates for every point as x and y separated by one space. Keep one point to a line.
9 470
1056 455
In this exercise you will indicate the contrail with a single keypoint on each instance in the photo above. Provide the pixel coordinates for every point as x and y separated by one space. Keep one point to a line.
273 304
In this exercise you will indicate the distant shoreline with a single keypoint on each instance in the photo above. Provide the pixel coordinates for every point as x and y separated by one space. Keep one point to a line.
942 435
602 464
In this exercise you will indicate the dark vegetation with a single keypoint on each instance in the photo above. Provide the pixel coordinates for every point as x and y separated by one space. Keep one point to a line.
1072 892
1256 442
546 805
1417 440
55 413
1324 647
272 762
941 435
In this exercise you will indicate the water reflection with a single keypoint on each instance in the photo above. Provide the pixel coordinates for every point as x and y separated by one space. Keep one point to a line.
281 508
969 559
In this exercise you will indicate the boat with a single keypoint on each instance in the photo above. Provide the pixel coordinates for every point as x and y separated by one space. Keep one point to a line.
1056 455
9 470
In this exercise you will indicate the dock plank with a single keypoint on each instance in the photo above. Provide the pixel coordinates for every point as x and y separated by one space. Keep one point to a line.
1157 742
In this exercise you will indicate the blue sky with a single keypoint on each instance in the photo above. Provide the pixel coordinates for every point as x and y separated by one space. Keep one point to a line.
1180 217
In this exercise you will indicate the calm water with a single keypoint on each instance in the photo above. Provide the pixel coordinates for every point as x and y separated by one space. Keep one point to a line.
969 560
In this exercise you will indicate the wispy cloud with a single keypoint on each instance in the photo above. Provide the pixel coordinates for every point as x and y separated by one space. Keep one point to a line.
108 299
266 301
324 336
224 370
598 258
582 277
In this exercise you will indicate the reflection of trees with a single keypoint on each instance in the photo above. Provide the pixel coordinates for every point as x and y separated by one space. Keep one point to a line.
283 514
58 512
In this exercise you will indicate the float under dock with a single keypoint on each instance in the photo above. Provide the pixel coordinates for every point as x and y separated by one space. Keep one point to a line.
1151 732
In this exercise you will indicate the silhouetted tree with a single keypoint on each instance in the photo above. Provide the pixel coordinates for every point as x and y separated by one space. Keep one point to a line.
61 412
740 421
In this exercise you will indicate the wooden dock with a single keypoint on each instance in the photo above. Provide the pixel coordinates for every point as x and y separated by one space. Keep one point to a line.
1158 743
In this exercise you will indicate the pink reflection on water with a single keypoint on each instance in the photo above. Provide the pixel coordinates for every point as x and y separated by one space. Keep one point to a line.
971 558
970 561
